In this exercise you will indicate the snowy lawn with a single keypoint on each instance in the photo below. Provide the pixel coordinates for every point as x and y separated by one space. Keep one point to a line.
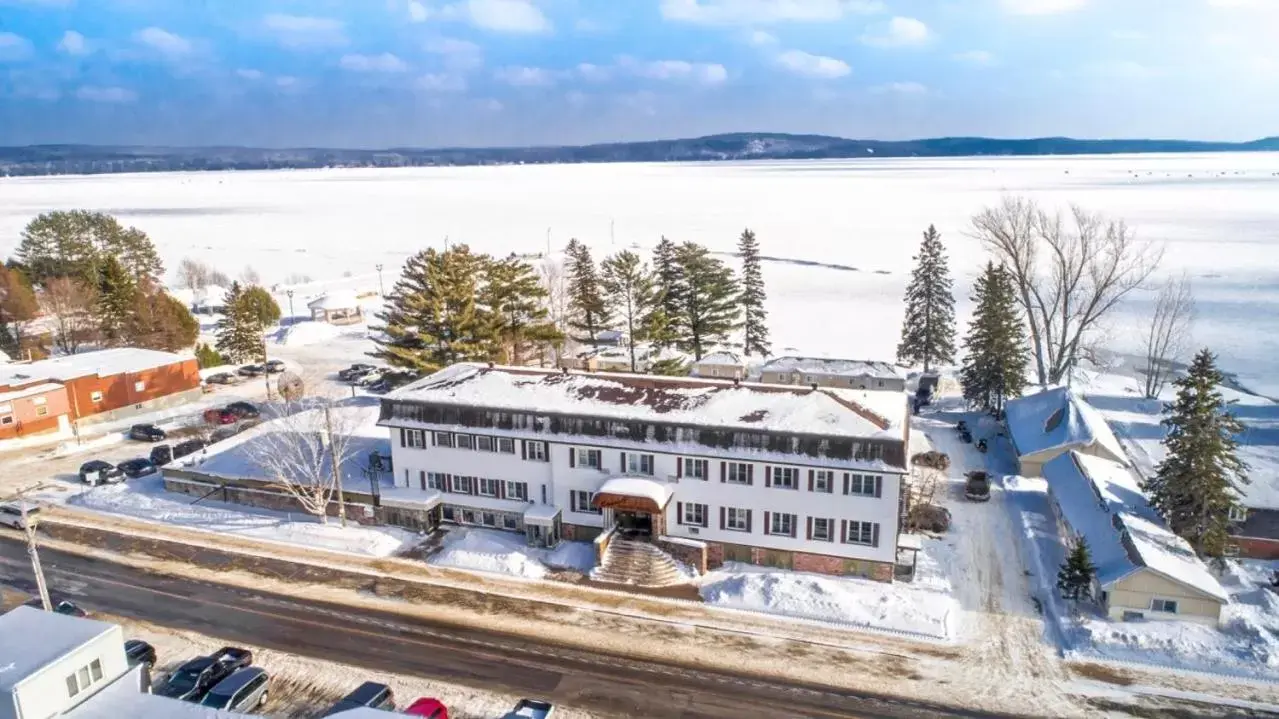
146 499
495 552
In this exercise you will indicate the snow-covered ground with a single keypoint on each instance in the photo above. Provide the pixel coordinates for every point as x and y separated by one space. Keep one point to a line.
494 552
146 499
1215 212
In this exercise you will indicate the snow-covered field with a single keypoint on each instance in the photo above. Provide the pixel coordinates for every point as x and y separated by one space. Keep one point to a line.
1216 213
494 552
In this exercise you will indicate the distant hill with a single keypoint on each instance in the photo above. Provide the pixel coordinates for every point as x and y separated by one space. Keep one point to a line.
92 159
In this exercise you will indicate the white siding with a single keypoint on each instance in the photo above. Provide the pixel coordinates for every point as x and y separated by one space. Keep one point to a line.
44 694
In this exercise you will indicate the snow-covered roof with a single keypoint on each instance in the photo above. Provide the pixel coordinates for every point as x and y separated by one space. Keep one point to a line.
721 358
1057 418
102 363
673 400
58 635
335 300
832 366
541 513
658 492
29 391
1102 502
125 698
4 357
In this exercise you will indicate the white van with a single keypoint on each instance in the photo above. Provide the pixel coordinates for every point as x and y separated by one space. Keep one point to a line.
11 515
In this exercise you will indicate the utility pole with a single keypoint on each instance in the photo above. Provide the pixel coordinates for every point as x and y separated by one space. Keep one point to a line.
380 292
290 294
333 464
28 527
548 242
611 239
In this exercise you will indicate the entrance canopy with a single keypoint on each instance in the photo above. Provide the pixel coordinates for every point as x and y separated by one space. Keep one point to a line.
633 494
543 514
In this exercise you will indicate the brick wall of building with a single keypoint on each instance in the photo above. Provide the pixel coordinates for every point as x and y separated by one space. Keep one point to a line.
1257 548
694 557
579 532
121 390
717 553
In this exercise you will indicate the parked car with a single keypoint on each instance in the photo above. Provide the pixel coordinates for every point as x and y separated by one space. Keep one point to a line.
382 386
222 433
274 366
532 709
147 433
243 410
60 606
428 707
977 488
195 678
137 467
220 378
368 379
369 694
11 515
250 370
188 447
96 471
355 371
139 652
243 691
219 415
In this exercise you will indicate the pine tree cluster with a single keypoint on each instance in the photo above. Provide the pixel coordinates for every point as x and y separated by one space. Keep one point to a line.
996 363
928 330
239 331
1075 577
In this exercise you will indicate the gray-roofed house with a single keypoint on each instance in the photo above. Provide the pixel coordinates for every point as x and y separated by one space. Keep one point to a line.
1143 569
1049 423
720 365
831 372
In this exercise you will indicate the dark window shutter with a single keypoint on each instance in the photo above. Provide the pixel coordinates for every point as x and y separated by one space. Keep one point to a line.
830 533
810 480
845 482
679 512
768 480
432 437
810 527
843 529
523 449
879 486
723 520
768 528
501 489
421 478
874 534
679 466
475 485
404 433
794 526
572 456
623 463
749 512
750 474
723 471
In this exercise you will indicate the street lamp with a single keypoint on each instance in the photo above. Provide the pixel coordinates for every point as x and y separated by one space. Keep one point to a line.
381 292
290 294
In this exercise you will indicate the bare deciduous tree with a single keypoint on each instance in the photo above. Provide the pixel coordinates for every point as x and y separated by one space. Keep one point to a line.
1169 334
555 281
250 276
1070 273
194 274
70 303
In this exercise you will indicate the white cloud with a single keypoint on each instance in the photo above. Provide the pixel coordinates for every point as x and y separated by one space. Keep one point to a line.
524 76
95 93
901 88
512 16
898 32
761 12
457 54
14 47
441 82
759 38
73 43
593 73
682 70
810 65
385 62
417 11
982 58
576 99
249 74
287 81
493 105
1042 7
163 41
297 31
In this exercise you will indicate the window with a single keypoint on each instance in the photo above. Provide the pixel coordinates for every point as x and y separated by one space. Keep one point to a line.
490 487
517 490
7 419
73 687
1163 605
468 516
484 444
95 670
782 524
738 520
1238 514
588 457
465 441
861 484
861 533
785 477
1054 420
40 400
509 521
535 451
83 676
694 468
461 485
443 439
694 514
639 463
414 439
489 519
437 480
580 501
95 397
139 386
821 529
42 411
739 473
505 445
823 480
448 513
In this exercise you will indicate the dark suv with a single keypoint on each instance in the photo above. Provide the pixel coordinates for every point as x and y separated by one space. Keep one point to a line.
146 433
368 694
165 453
193 680
243 410
96 471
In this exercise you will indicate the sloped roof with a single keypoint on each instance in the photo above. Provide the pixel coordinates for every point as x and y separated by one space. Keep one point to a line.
334 301
832 366
721 358
1057 418
1102 502
102 363
658 492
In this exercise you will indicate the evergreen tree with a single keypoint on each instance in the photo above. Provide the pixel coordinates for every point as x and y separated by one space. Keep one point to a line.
668 285
161 322
589 311
208 357
262 305
77 243
708 302
117 298
670 367
239 333
516 302
928 330
433 317
628 283
755 317
1075 577
1201 476
996 361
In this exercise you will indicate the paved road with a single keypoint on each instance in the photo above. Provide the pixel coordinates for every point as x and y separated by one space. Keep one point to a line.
389 642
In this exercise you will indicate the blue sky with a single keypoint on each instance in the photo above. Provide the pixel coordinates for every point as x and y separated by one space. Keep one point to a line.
379 73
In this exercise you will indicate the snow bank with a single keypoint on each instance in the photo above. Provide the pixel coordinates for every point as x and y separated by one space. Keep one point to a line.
899 606
310 333
484 550
146 499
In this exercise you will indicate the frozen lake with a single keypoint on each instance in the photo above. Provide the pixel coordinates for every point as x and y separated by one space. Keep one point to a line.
1217 214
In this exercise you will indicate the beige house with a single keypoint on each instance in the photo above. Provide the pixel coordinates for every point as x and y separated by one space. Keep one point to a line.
1144 571
1049 423
829 372
720 365
336 308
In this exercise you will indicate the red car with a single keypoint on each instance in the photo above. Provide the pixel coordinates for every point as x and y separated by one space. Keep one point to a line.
218 415
428 707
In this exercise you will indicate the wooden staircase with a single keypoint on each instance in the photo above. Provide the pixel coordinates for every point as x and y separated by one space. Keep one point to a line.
639 564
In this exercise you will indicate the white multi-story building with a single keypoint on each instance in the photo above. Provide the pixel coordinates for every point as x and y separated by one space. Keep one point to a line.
805 478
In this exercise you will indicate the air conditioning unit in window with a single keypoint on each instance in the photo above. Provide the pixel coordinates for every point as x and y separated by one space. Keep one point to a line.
693 530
